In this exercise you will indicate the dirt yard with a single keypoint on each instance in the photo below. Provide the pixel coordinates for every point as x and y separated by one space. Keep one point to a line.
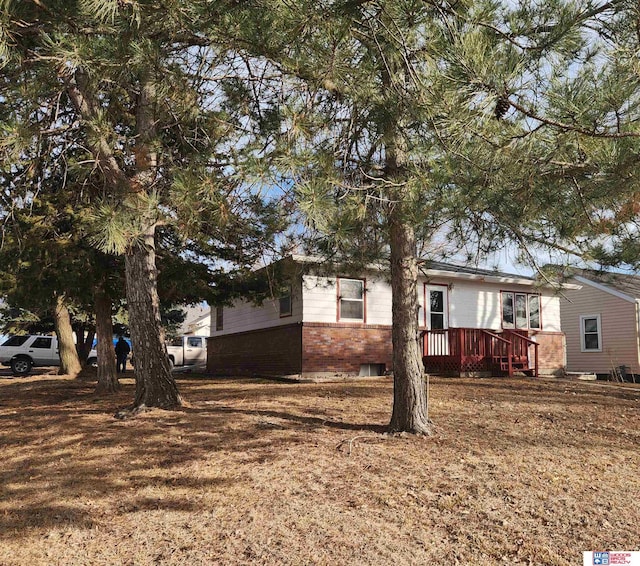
519 471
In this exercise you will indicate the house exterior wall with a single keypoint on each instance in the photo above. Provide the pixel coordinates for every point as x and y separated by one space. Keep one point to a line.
256 340
344 348
270 351
200 327
320 302
551 352
245 316
472 304
619 330
475 304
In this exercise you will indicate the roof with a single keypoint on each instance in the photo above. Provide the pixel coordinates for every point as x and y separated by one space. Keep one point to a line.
454 271
610 281
443 266
194 316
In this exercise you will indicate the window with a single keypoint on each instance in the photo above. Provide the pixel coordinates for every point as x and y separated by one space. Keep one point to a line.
177 341
507 310
534 312
590 333
520 311
219 318
285 304
16 341
351 299
194 342
436 296
41 342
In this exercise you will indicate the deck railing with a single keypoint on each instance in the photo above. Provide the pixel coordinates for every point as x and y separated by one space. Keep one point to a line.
480 348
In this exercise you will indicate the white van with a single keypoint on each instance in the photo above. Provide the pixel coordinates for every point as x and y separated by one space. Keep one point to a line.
24 352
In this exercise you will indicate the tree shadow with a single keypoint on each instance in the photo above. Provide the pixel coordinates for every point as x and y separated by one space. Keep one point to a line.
308 422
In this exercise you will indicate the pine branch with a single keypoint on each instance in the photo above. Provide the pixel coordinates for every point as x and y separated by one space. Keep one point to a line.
569 127
78 91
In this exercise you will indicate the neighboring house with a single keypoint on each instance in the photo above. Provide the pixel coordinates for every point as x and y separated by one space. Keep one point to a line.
601 322
342 324
197 320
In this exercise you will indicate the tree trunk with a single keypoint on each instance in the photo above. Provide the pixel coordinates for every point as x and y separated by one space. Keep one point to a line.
107 377
409 392
69 361
84 340
155 385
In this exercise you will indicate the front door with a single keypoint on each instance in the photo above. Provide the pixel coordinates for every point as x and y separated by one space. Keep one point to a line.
437 319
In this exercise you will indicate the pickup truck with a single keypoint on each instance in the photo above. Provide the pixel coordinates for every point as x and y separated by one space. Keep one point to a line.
187 351
24 352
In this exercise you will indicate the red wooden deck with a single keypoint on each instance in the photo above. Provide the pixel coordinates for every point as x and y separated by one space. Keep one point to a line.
465 350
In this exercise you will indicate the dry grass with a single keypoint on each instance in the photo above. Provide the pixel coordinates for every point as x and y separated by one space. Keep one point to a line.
256 472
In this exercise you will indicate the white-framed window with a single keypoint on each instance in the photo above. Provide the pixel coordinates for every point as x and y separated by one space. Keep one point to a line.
521 310
351 299
590 333
437 307
219 318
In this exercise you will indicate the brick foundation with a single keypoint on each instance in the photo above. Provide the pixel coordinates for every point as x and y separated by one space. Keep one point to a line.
271 351
317 348
551 352
344 348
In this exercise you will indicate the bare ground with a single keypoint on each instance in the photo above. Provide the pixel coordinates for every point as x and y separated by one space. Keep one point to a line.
254 472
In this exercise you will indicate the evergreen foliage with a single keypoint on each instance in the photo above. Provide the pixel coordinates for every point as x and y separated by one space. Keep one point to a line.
157 125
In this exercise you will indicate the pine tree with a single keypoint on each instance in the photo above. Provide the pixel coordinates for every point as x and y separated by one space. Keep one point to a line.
391 106
556 172
141 90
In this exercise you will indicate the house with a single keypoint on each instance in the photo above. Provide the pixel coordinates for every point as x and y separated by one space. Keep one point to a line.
197 320
471 321
601 321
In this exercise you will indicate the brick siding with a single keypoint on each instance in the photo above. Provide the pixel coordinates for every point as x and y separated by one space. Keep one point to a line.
270 351
342 348
551 353
330 348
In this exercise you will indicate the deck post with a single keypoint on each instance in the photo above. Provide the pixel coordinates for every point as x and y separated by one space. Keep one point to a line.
510 357
461 337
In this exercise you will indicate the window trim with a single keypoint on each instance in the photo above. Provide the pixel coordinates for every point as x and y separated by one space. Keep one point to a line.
527 296
583 345
445 305
339 317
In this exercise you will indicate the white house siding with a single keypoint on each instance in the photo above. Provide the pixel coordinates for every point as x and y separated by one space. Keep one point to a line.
321 299
245 316
477 304
619 330
472 304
